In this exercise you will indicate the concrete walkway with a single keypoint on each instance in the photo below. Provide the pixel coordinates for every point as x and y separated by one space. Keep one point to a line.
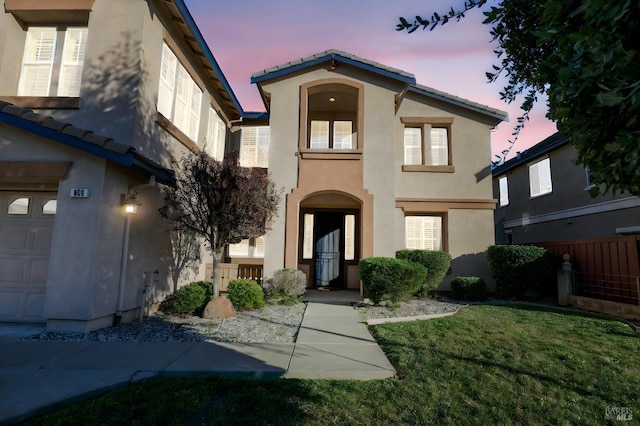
38 376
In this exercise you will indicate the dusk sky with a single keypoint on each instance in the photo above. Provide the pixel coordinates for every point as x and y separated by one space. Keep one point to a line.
247 36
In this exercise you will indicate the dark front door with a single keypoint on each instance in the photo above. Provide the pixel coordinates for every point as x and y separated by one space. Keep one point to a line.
328 243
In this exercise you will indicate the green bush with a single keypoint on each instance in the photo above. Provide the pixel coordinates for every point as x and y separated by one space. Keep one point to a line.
388 278
187 300
207 286
245 294
287 282
437 263
520 269
468 288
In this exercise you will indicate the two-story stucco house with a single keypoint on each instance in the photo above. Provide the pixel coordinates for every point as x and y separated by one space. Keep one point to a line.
370 163
97 97
544 196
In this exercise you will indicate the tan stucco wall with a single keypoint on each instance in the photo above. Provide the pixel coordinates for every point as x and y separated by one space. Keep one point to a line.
118 99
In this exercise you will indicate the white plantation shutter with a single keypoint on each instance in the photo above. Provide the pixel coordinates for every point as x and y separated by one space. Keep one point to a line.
504 191
37 63
264 137
215 135
72 61
254 151
342 131
240 249
540 178
423 232
319 134
258 250
195 96
412 145
439 155
167 81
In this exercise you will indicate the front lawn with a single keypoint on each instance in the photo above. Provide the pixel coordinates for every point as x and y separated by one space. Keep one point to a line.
484 365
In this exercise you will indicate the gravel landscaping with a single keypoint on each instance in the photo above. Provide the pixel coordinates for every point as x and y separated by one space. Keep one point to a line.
271 324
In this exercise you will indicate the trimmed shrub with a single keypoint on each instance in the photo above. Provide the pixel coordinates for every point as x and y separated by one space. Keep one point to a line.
289 282
468 288
437 263
207 286
388 278
520 269
187 300
245 294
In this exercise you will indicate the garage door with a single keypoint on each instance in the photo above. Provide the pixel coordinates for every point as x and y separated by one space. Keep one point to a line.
26 226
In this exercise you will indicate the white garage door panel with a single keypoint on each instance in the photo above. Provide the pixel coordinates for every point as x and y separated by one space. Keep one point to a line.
11 271
25 246
14 237
9 304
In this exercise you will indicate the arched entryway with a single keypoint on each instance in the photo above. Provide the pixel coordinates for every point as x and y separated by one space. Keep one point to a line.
329 243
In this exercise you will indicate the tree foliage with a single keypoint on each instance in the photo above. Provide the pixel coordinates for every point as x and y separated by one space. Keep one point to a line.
222 202
583 54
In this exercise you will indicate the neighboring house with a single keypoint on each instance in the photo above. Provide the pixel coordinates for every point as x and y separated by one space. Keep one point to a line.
543 196
370 163
97 97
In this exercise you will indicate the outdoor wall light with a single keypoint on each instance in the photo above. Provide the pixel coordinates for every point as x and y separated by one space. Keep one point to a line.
130 203
332 99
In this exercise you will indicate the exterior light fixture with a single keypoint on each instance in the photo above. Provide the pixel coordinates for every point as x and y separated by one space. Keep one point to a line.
130 203
332 99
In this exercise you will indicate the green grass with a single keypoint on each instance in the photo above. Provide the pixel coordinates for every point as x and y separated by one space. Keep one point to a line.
486 365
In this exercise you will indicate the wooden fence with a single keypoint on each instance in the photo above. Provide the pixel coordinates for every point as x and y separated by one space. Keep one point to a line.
232 271
607 268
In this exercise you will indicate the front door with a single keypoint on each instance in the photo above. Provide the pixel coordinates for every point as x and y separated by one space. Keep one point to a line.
328 240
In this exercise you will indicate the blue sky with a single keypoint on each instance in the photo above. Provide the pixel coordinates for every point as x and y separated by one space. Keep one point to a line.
247 36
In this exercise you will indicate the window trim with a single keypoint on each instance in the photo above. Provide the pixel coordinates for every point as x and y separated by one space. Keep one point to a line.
427 123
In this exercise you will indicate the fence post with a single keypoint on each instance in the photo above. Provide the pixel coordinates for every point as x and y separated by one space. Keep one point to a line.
638 289
565 281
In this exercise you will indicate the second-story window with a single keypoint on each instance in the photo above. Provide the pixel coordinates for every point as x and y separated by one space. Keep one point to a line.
179 97
327 134
254 150
48 70
430 151
504 191
540 178
216 132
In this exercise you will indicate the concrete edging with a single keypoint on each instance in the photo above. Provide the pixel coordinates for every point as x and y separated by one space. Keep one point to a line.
379 321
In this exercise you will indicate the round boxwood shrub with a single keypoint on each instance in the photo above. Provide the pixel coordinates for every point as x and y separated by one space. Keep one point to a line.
388 278
520 269
468 288
187 300
437 263
245 294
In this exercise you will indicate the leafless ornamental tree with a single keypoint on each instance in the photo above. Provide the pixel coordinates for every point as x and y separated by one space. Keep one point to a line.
222 202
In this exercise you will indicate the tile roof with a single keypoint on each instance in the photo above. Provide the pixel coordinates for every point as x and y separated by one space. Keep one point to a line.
83 139
337 55
452 99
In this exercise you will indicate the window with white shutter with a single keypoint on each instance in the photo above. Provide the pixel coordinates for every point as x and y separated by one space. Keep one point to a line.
46 71
540 178
504 191
179 97
216 132
438 154
412 145
254 150
249 247
342 135
319 134
423 232
307 239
